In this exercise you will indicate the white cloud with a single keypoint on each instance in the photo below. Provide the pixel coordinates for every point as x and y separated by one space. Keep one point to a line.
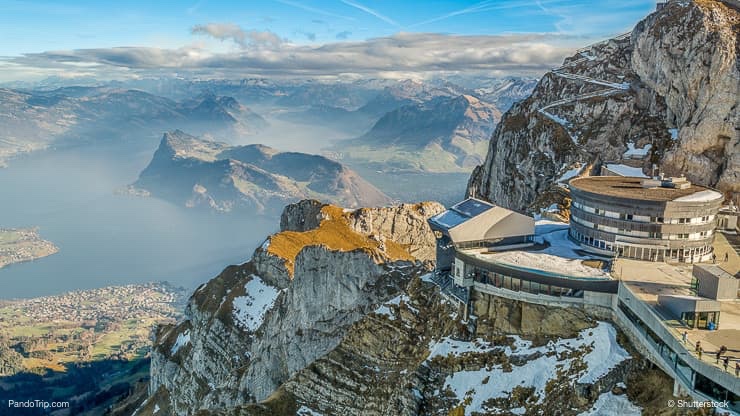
263 53
230 31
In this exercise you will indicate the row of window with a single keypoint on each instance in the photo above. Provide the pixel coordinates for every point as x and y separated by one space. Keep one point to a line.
643 218
521 285
657 253
643 234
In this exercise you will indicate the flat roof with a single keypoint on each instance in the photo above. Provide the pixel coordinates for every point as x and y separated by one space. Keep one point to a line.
648 280
629 187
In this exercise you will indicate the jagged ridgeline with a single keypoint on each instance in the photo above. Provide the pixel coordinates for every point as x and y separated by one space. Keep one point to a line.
668 90
255 178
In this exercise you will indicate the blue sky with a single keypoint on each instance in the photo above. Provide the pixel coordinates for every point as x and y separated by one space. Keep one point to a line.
36 27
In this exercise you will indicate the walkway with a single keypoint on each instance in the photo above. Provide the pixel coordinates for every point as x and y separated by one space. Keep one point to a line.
647 280
612 87
730 244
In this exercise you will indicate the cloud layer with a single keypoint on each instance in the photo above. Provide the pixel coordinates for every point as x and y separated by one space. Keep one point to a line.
264 53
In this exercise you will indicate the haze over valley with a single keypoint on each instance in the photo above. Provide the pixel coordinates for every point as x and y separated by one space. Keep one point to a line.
343 207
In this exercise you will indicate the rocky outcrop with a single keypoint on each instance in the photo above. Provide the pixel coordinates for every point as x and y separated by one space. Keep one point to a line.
666 94
688 54
202 173
251 328
352 326
413 355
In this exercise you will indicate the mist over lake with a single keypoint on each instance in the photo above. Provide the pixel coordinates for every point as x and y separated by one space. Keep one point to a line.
108 239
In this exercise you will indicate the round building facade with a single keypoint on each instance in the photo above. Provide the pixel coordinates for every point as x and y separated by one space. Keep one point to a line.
668 220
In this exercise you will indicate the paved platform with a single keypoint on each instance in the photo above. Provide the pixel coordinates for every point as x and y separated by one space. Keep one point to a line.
730 244
647 280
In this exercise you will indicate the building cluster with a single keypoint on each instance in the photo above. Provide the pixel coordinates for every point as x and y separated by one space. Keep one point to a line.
115 303
657 274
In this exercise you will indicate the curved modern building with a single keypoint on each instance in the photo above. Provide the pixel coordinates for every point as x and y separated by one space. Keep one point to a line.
668 219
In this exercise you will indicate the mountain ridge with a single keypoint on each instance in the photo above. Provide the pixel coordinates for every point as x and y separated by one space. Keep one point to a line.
225 178
640 96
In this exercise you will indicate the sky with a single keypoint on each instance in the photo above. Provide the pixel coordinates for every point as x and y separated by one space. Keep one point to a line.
312 38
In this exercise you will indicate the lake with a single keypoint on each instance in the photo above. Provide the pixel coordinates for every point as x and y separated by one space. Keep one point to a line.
108 239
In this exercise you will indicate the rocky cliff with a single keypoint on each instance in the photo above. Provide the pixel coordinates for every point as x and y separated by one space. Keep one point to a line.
666 94
336 315
414 355
201 173
254 326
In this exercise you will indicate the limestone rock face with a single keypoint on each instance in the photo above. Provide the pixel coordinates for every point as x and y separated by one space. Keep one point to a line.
405 223
251 328
671 84
687 53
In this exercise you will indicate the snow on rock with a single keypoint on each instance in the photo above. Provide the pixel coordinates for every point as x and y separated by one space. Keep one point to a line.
605 355
427 278
447 346
306 411
609 404
385 309
702 196
477 386
569 174
182 340
624 170
156 409
673 133
250 309
637 153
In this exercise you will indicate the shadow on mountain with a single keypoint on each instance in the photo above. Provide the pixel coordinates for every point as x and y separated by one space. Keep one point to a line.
91 388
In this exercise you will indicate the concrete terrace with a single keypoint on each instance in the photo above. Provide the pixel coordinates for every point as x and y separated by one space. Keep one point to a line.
647 280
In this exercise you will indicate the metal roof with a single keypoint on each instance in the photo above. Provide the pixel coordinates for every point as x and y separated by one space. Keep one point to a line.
460 212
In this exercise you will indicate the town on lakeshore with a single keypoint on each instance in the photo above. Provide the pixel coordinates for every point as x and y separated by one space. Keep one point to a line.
19 245
110 322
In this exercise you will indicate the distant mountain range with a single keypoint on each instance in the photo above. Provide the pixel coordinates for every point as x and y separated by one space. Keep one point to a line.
444 134
32 120
55 114
253 178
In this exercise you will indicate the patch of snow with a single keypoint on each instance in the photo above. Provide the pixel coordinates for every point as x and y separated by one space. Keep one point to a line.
552 208
447 346
542 260
306 411
156 409
604 356
621 385
632 151
385 309
182 340
426 278
609 404
703 196
674 134
469 384
250 309
569 174
555 233
266 244
624 170
544 226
